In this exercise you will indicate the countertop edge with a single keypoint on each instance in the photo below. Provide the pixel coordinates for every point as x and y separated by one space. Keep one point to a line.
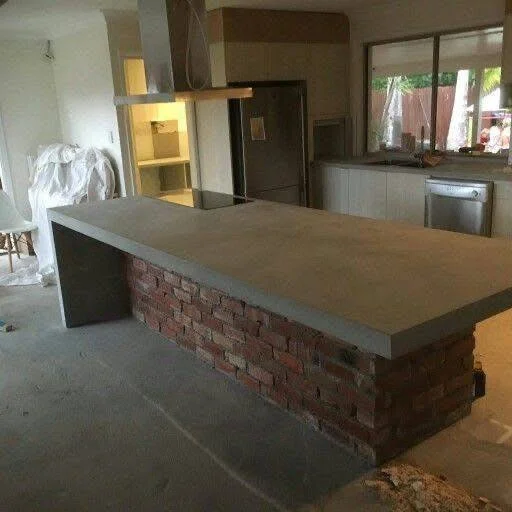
363 337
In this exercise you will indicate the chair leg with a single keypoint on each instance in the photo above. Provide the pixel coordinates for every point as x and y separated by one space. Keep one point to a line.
15 243
9 251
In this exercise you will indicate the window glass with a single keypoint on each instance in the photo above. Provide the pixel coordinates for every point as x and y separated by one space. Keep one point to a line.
468 113
400 95
468 103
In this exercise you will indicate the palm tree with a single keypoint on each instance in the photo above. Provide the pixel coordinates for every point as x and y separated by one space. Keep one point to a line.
491 79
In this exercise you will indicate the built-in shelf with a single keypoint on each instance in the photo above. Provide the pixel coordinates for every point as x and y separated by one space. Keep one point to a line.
162 162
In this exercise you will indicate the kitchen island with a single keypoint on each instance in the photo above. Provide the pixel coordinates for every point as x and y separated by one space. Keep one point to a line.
363 328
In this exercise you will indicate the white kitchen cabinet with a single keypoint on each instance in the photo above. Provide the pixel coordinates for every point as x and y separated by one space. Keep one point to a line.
502 211
406 197
367 193
331 188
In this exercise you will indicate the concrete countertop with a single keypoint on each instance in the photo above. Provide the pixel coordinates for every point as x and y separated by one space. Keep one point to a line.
459 167
386 287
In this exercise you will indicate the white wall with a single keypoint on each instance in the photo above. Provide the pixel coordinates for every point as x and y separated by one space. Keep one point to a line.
28 106
85 92
214 147
124 41
404 18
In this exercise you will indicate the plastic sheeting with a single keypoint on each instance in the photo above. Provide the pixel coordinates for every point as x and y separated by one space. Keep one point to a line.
65 175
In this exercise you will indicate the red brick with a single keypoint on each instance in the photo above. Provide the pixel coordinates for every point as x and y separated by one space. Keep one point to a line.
203 330
466 379
278 396
223 315
222 341
257 315
183 295
264 350
169 332
190 287
339 371
293 347
139 264
293 396
455 399
194 337
173 325
144 286
205 355
302 384
427 398
182 319
248 381
290 361
213 323
460 348
203 307
192 311
225 367
152 321
276 369
236 360
210 296
186 341
246 325
214 349
261 374
276 340
233 333
155 271
172 279
236 306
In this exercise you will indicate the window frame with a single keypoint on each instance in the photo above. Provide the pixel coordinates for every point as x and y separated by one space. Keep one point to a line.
436 37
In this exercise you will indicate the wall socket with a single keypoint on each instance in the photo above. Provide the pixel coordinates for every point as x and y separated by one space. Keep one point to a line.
110 136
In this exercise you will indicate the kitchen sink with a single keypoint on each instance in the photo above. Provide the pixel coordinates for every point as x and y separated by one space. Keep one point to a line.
399 163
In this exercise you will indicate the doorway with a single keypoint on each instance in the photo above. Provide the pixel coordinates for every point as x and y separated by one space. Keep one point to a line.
161 145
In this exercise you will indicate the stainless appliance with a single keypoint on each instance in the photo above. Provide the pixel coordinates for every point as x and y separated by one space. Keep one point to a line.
268 134
176 53
459 205
332 138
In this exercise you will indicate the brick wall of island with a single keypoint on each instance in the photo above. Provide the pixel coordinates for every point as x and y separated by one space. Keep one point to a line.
374 407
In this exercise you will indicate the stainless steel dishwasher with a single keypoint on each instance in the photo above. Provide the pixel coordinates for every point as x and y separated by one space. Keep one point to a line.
464 206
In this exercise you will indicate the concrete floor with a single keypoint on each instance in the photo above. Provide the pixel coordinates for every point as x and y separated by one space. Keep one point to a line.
114 417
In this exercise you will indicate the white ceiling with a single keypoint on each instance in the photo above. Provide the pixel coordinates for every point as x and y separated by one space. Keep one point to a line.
48 19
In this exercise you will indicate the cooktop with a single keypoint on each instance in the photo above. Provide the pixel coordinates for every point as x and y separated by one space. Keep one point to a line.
205 199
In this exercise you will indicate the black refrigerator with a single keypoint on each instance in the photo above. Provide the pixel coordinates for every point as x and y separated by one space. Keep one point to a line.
268 142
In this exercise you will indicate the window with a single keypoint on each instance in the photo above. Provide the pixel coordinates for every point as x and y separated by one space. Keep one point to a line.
466 94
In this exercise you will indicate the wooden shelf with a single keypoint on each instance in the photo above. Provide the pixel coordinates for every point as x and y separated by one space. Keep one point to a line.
162 162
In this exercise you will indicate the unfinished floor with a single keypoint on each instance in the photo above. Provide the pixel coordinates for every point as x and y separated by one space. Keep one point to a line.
113 417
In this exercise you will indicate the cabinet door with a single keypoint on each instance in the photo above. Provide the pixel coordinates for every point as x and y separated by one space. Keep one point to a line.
367 193
331 191
502 214
406 197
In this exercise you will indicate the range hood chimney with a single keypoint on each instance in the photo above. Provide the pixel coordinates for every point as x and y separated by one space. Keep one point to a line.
176 54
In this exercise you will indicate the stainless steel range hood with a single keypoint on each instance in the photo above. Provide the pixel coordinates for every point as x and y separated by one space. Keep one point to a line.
176 54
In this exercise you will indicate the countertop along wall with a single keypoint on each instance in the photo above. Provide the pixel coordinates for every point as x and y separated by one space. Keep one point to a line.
28 109
85 92
407 18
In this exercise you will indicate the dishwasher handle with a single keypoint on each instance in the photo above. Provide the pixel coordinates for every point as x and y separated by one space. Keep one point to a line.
473 191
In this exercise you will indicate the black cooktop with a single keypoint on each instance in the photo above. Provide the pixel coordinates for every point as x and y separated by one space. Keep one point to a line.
208 200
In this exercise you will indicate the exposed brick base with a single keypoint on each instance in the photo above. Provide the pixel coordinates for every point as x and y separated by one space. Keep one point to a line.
375 407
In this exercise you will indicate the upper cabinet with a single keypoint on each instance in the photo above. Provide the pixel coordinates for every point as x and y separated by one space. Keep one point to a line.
250 45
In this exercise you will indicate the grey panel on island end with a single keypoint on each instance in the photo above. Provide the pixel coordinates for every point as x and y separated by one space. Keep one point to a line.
388 288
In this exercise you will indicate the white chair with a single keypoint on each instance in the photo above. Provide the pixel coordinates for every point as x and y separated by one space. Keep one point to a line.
12 225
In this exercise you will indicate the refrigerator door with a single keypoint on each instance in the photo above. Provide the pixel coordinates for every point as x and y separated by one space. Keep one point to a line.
273 144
